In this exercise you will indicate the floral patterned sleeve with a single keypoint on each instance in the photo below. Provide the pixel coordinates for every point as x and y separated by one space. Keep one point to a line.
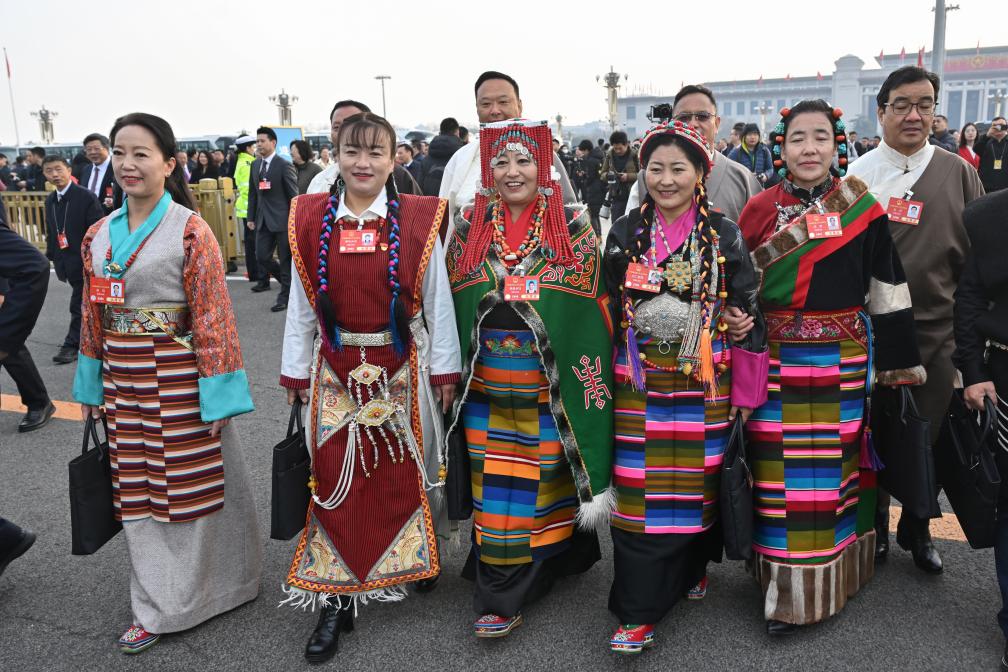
87 386
223 385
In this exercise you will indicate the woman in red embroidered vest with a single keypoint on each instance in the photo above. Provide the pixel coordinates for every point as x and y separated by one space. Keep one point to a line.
821 246
676 265
160 351
536 408
370 344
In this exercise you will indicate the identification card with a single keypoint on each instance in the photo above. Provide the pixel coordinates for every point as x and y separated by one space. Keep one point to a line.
264 185
998 163
904 211
824 225
108 196
520 288
61 239
353 241
643 277
108 290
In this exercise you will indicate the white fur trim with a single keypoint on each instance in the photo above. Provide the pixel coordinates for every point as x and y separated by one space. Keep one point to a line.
594 515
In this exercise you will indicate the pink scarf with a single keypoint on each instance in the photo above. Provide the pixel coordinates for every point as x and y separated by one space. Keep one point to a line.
675 232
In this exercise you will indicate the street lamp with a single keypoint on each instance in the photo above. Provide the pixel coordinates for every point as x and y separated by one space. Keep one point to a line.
283 102
612 84
45 120
559 122
382 78
763 110
938 43
997 97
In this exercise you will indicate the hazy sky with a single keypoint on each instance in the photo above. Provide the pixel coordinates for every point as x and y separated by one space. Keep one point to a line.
209 66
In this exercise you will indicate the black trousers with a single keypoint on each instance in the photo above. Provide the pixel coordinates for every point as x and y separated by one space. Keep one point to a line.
249 239
266 242
29 383
72 339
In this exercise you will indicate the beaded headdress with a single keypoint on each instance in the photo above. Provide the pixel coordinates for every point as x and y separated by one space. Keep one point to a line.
533 139
839 133
687 133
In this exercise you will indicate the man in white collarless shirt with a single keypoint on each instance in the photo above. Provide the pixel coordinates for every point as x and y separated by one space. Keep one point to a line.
925 189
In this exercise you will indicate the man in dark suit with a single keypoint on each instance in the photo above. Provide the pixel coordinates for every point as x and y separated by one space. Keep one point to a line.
272 186
97 176
70 211
24 282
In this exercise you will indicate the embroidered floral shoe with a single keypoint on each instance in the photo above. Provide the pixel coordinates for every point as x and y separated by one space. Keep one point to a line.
699 591
632 639
136 639
492 625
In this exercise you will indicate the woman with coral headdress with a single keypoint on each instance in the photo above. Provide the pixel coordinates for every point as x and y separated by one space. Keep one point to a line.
535 407
679 383
821 246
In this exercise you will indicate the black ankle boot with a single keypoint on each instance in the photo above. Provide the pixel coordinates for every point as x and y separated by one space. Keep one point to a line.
915 536
780 628
324 640
881 535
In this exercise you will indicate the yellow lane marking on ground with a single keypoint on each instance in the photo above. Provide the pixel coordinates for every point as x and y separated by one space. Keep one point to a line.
65 410
946 527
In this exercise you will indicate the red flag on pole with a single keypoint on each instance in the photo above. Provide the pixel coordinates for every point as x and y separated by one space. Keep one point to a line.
881 54
902 54
920 58
788 78
760 80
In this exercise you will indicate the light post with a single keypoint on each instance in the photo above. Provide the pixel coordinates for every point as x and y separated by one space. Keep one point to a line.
382 78
283 102
763 110
559 122
997 97
938 43
45 120
612 84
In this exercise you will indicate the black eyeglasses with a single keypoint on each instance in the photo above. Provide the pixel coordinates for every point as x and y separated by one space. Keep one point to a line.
687 117
925 108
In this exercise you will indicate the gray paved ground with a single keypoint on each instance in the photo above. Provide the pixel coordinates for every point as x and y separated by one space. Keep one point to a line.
60 612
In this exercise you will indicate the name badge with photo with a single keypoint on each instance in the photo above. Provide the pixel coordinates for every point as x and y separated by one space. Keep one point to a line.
354 241
108 291
643 277
521 288
264 185
62 241
904 211
824 225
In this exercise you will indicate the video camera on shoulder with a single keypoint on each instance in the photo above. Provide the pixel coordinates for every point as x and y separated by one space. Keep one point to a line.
660 113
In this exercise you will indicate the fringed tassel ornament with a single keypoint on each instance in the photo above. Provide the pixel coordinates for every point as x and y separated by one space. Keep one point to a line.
556 237
869 459
706 373
478 240
635 368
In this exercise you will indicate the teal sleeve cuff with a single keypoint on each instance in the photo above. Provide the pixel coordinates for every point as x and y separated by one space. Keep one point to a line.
87 386
224 396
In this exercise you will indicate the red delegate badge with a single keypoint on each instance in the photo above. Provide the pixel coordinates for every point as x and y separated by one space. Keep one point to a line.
61 239
643 277
823 225
521 288
108 290
904 211
353 241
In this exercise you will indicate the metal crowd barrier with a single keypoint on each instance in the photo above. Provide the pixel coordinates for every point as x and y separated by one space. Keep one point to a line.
215 201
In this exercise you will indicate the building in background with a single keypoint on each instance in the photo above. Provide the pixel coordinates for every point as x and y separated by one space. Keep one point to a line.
972 79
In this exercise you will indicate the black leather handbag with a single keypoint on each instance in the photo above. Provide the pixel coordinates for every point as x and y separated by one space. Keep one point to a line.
965 457
736 499
92 514
458 483
902 440
291 471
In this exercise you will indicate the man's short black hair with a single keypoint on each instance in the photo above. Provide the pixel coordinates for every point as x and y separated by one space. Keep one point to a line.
941 116
2 155
449 126
55 158
690 89
463 133
618 138
909 74
37 151
349 103
493 74
268 132
408 147
586 145
99 137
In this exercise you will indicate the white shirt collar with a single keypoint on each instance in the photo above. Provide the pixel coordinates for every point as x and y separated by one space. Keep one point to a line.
903 162
62 193
267 159
377 209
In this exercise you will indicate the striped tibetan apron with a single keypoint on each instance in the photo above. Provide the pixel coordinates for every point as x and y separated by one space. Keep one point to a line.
523 493
165 464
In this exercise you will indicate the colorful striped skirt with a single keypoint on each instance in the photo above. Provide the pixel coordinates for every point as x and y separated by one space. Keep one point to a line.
165 464
669 445
523 492
814 503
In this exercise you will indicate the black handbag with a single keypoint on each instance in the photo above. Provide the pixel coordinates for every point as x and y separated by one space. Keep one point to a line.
902 440
458 483
736 499
291 471
92 514
966 462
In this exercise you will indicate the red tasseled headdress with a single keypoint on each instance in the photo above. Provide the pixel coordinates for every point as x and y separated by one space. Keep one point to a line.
537 138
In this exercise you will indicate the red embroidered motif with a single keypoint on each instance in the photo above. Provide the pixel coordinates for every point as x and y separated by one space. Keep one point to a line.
595 390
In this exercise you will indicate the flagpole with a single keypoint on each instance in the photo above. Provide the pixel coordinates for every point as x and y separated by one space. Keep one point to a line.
10 90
